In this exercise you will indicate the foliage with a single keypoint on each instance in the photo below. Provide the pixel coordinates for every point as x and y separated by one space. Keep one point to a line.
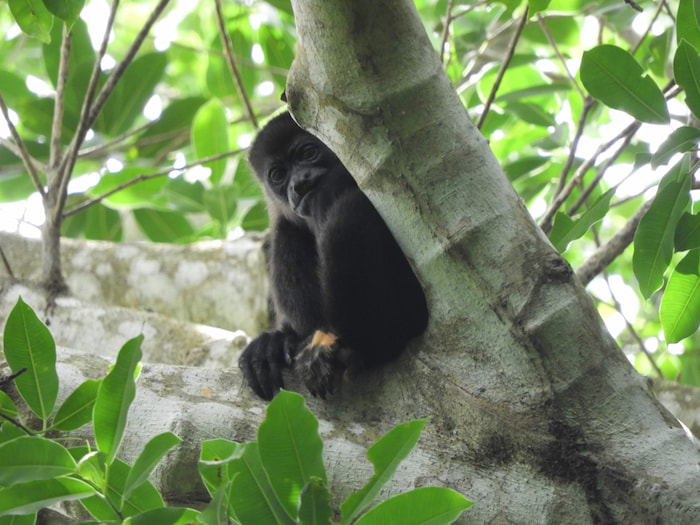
280 478
596 106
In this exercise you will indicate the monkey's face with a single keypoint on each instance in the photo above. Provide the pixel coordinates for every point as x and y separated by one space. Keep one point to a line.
308 178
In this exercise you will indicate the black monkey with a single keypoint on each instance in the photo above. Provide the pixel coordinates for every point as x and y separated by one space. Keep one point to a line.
342 289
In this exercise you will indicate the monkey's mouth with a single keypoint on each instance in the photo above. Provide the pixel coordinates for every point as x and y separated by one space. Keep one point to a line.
303 205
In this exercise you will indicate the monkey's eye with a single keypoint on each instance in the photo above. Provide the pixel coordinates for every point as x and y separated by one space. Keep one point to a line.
307 152
277 175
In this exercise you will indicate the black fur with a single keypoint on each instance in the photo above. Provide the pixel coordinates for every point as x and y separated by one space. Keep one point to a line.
344 294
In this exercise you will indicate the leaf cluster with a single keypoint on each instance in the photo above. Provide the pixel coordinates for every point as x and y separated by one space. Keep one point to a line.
280 478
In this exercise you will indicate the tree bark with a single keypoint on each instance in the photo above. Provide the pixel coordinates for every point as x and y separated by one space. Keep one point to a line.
542 418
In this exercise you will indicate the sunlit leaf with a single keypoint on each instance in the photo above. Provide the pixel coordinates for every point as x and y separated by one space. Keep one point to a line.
66 10
251 494
565 230
27 343
687 236
210 136
654 238
32 17
680 304
680 140
32 496
614 77
33 458
686 69
385 455
163 226
114 398
422 506
314 504
76 410
290 448
148 459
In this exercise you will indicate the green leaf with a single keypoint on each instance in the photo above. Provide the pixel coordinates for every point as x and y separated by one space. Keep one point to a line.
385 455
25 519
532 113
210 136
421 506
7 406
537 5
132 92
221 202
185 197
614 77
66 10
681 140
33 18
137 191
687 27
76 410
565 230
166 516
163 226
686 69
217 511
27 343
149 458
653 240
103 224
32 496
145 497
680 305
251 495
33 458
314 504
213 463
114 398
290 448
687 236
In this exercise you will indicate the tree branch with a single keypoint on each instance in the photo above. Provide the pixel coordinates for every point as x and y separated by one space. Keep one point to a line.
27 159
504 67
59 101
604 255
231 61
144 177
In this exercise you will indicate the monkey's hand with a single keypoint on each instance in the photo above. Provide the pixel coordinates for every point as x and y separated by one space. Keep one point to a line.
264 358
316 362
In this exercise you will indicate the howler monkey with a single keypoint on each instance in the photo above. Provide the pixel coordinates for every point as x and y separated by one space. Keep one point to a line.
343 292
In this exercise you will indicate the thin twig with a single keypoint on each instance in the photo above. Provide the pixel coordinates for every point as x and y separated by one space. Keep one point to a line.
446 30
6 263
588 104
104 94
645 33
560 198
66 169
630 328
59 102
27 159
17 424
543 25
14 149
617 244
601 172
143 177
231 61
504 66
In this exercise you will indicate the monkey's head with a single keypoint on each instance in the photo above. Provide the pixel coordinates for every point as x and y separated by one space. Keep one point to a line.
301 176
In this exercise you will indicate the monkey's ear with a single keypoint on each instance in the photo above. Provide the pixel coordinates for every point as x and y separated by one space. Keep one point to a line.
283 97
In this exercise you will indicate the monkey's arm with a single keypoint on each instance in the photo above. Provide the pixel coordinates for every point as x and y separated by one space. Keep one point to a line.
297 299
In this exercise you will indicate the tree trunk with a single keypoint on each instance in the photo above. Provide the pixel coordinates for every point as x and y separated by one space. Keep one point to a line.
542 419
